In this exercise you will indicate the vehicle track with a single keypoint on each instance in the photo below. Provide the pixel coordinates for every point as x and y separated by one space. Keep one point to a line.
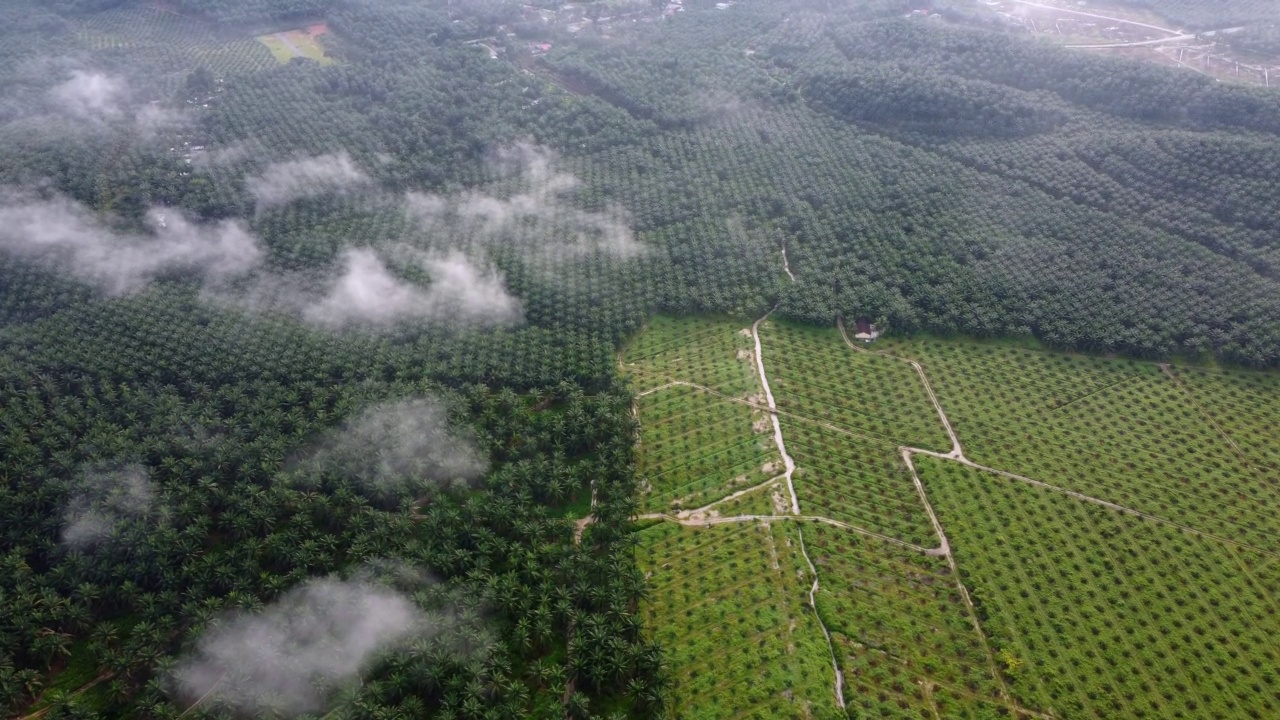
790 466
730 519
1099 17
956 454
787 462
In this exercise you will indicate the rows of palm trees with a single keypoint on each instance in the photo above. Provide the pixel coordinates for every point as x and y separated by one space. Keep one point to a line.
231 526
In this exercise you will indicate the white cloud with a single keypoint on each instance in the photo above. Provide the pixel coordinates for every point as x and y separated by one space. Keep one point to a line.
92 95
404 443
107 499
537 218
285 182
63 234
367 294
287 658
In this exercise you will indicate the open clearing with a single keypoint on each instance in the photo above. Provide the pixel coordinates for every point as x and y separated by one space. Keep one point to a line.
992 530
303 42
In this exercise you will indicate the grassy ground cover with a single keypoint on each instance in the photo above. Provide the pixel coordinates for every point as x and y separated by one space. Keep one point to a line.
713 352
696 448
729 604
845 478
285 46
1244 406
1095 613
1088 612
772 499
813 373
1158 441
900 624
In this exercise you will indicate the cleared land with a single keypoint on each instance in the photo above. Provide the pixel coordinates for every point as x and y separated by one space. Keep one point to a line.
1111 523
880 399
1127 432
715 353
900 625
304 42
702 436
696 448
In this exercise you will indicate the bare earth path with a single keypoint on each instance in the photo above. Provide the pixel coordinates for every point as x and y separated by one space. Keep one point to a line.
701 517
787 462
790 466
709 521
1098 17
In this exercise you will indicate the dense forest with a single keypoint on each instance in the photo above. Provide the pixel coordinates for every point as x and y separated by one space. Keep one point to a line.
227 282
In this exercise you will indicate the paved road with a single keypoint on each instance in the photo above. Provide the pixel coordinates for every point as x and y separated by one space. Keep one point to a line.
1099 17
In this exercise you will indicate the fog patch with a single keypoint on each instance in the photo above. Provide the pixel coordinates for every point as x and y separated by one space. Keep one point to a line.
368 294
284 182
91 95
64 235
61 234
288 657
93 100
403 444
536 218
106 499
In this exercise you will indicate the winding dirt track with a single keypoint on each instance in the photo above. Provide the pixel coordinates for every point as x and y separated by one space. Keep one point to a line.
795 502
787 462
692 518
956 454
813 590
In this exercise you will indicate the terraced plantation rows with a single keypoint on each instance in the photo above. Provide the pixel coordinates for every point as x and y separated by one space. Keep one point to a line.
729 602
166 39
1095 613
1149 593
1243 406
1128 432
696 446
881 399
715 353
901 626
846 479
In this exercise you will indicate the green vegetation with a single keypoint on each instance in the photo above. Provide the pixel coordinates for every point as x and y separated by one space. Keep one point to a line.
816 376
287 45
1119 430
162 37
634 185
1241 406
900 626
771 499
695 446
1077 605
1096 613
718 354
729 602
850 480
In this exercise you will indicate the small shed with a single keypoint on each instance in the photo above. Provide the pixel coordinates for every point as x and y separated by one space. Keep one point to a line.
866 331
